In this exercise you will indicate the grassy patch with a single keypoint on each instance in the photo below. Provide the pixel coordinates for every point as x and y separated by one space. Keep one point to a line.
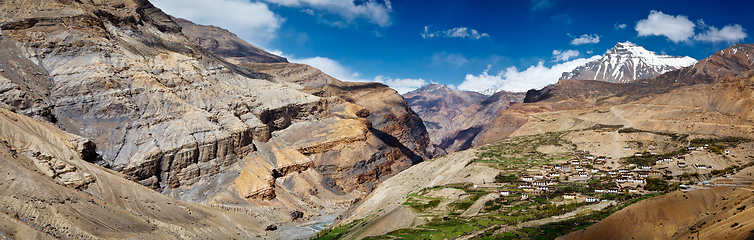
557 229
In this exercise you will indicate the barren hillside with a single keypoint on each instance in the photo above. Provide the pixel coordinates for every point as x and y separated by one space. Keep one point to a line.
177 118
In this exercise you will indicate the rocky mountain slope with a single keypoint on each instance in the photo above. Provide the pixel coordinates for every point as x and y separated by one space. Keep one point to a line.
385 108
475 120
225 43
627 62
722 65
587 119
177 118
718 213
581 94
47 191
438 105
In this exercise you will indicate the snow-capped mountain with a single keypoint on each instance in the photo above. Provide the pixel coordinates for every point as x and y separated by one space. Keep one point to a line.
490 91
627 62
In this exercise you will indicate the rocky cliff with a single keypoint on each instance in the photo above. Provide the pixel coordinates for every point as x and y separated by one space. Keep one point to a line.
475 120
225 43
438 105
175 117
47 191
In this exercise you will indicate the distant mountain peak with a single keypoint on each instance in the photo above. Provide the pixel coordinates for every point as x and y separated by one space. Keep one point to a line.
490 91
626 62
432 87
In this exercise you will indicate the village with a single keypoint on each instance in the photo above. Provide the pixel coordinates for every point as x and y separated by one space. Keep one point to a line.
608 176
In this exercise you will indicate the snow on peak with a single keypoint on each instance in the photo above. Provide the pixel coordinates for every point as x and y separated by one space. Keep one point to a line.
629 50
490 91
626 62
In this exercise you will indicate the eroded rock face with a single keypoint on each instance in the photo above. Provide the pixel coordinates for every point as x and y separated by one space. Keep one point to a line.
438 105
47 190
226 44
177 118
387 111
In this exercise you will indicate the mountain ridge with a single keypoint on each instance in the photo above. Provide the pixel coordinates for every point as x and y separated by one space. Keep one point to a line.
438 105
627 62
175 117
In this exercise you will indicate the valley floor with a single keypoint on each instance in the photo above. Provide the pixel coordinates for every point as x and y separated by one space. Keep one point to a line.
546 185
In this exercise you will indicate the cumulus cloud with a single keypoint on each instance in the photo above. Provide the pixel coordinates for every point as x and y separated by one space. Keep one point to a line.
513 79
461 32
402 85
374 12
564 55
680 29
676 28
728 34
620 26
442 58
252 21
586 38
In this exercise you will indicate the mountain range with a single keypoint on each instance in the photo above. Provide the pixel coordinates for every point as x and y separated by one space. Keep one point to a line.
587 113
182 110
119 121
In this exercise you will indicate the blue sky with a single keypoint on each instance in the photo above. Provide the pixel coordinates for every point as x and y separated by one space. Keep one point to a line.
470 45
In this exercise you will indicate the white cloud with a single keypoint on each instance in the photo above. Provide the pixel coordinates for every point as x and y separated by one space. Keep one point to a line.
461 32
511 79
332 68
680 29
586 38
343 73
442 58
729 34
349 10
326 65
252 21
401 85
307 11
564 55
676 28
620 26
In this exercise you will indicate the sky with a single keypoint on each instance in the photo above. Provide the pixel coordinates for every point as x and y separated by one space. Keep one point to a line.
468 44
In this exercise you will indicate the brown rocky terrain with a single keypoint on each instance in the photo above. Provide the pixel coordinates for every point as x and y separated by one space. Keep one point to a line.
177 118
438 105
717 213
722 108
475 120
47 191
385 108
225 43
656 218
390 115
712 109
584 94
722 65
